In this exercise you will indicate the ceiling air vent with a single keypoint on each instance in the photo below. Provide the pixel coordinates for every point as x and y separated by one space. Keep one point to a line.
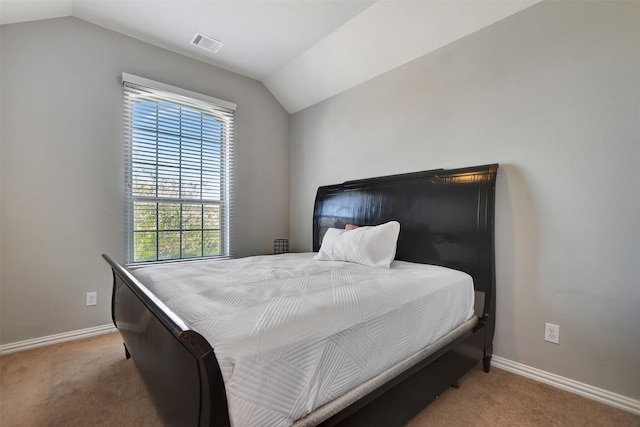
208 43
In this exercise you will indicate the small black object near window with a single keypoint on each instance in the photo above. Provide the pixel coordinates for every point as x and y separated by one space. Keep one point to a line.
280 246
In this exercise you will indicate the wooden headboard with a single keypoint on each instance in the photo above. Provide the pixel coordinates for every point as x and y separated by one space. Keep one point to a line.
446 217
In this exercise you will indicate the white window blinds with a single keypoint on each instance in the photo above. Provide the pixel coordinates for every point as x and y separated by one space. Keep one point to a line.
178 172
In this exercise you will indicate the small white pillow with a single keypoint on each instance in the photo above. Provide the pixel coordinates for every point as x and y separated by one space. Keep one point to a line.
372 246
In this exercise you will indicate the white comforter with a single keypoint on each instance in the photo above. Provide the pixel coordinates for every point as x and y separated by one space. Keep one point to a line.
291 334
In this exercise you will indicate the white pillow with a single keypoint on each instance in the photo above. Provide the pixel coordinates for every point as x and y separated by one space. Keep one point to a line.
372 246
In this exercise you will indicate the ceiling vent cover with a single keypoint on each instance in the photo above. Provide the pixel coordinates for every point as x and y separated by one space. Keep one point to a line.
208 43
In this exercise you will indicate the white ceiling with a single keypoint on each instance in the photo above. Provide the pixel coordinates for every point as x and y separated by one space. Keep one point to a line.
304 51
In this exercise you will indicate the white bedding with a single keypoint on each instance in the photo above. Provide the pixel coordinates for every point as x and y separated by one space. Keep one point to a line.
291 334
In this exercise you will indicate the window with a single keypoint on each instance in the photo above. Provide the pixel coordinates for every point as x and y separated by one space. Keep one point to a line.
178 171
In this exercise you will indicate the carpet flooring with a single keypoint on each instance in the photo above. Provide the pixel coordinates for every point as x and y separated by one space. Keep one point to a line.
90 383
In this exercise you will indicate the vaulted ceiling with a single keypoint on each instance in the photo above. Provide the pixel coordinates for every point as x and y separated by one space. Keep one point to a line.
304 51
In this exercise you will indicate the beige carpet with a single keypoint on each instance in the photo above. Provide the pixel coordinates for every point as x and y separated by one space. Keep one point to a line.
90 383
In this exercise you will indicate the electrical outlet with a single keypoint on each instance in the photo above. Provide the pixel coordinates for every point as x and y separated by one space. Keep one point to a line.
552 333
92 298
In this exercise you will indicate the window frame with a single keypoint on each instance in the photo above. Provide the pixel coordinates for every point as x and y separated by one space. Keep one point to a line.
222 112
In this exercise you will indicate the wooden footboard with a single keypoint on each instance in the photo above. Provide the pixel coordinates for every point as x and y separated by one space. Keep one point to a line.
177 364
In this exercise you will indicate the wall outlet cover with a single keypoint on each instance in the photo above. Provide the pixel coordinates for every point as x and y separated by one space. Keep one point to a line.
92 298
552 333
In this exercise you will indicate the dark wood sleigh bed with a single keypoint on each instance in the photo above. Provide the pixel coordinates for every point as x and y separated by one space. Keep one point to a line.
447 219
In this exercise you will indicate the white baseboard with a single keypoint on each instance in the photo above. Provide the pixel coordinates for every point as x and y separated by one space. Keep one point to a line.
599 395
56 339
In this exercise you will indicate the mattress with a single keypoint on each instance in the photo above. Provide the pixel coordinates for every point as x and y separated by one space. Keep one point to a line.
292 334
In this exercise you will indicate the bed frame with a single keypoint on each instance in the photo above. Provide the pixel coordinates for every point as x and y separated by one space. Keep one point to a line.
446 217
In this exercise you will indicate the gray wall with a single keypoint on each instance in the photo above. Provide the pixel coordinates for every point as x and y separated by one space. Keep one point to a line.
62 166
552 94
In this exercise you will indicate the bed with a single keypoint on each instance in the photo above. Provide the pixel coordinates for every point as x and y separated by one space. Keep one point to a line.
447 220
